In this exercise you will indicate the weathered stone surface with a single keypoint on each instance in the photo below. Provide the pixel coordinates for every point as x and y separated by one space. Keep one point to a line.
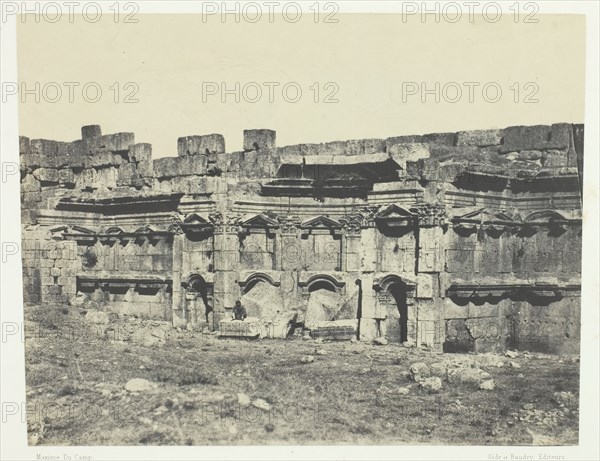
259 139
479 138
325 305
30 184
47 175
201 145
539 137
441 281
91 131
403 153
166 167
554 158
115 142
24 145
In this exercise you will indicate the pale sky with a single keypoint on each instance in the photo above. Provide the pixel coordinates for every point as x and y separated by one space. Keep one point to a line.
368 58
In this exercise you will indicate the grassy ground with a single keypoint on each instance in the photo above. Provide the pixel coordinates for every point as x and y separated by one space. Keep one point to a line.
351 393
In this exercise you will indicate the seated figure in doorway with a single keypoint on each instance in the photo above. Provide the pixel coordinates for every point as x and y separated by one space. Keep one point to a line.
239 311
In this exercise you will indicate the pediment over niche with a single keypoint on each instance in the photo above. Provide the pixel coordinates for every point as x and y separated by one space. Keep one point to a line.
490 221
114 230
545 216
395 215
192 223
82 230
321 222
195 219
260 220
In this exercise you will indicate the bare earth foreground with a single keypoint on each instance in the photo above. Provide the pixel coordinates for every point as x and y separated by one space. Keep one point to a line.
97 380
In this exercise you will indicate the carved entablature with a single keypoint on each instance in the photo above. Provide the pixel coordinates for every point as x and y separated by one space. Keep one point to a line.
352 224
82 235
463 293
289 224
395 216
216 218
495 223
484 221
115 234
260 222
229 223
429 215
367 215
321 225
58 233
556 222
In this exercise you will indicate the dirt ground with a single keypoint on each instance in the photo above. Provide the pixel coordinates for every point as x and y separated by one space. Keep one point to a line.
197 389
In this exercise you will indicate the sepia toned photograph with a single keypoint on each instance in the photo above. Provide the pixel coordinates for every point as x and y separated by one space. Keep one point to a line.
252 224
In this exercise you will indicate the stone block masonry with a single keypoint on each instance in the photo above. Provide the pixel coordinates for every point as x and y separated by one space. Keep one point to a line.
467 241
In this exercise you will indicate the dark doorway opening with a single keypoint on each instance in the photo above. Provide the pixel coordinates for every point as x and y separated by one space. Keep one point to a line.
198 286
398 323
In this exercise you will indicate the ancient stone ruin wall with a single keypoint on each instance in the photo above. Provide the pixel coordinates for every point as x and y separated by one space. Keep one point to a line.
451 241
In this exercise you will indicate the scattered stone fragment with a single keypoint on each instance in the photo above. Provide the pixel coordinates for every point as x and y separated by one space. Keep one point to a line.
511 354
514 365
261 404
243 399
402 390
487 385
438 369
321 352
432 384
380 341
418 371
307 359
139 385
566 399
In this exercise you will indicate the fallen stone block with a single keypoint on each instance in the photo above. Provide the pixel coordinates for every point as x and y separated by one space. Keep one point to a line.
248 328
337 330
431 385
419 371
473 376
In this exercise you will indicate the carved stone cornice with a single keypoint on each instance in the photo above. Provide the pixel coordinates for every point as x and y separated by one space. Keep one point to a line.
429 215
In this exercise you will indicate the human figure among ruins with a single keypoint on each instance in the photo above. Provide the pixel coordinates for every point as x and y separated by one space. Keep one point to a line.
239 311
